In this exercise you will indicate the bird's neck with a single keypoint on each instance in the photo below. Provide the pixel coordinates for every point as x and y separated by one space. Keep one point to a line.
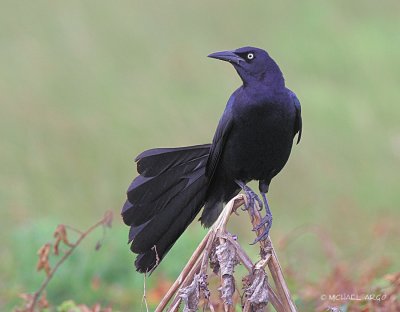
265 84
271 79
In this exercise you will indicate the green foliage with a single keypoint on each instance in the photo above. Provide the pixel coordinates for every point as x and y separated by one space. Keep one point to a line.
71 306
68 306
85 86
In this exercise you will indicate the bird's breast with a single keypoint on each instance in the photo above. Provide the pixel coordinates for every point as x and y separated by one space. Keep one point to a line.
263 136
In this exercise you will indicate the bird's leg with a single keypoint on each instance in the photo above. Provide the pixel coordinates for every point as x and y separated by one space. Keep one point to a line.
250 194
267 221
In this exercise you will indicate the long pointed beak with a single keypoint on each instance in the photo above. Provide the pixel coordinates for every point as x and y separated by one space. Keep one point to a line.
228 56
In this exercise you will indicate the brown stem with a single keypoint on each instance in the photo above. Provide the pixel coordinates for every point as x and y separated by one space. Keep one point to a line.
183 276
175 303
281 300
245 259
269 256
38 293
279 280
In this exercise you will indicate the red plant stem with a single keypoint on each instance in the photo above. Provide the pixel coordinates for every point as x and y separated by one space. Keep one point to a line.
38 293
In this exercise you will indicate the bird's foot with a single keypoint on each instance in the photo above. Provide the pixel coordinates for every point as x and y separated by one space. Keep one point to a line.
252 197
267 222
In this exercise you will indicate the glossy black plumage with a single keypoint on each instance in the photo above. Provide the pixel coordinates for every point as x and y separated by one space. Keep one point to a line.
253 141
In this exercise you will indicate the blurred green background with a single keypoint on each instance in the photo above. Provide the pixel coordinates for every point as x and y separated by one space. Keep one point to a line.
87 85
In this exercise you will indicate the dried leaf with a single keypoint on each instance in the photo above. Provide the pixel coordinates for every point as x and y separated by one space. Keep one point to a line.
98 245
191 295
227 289
256 290
43 262
214 264
203 285
43 303
227 259
27 302
60 234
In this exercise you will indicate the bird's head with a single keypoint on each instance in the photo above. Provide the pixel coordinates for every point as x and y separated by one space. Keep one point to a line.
252 64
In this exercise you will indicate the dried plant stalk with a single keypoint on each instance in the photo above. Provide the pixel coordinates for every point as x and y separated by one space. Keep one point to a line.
267 250
184 274
224 253
60 235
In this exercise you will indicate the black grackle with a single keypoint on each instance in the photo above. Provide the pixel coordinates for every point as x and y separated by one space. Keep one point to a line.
253 141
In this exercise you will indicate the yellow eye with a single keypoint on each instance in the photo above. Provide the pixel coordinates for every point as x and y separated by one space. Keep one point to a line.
250 56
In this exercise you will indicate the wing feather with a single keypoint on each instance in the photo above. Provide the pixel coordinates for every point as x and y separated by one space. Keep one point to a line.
220 137
298 125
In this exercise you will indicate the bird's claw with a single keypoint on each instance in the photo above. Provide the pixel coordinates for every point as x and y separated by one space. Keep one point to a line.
252 197
262 237
267 221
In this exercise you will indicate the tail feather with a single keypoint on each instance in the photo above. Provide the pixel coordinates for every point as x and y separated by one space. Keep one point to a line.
147 261
152 162
134 230
140 212
164 199
172 213
148 195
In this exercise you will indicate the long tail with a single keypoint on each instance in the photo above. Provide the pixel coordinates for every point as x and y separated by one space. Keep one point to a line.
163 200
